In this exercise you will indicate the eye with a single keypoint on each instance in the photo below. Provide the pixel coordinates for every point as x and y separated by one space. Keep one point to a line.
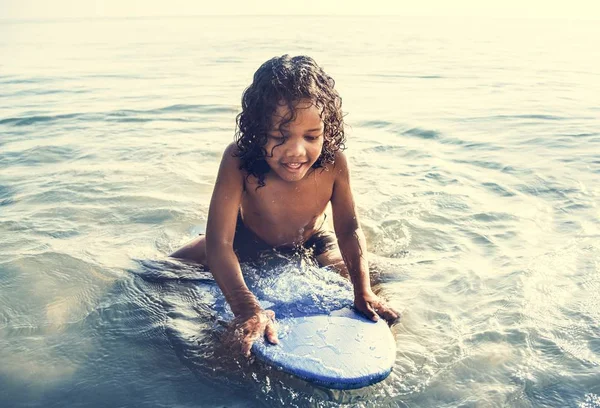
312 138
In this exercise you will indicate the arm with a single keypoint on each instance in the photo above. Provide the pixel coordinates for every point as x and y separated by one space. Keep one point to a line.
250 320
353 245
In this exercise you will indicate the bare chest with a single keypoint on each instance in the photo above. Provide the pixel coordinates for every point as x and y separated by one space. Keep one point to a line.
283 212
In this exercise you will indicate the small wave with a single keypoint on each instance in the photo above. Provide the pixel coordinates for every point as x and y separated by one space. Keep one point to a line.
490 217
12 80
377 124
583 134
38 92
516 117
149 115
482 163
158 271
124 115
423 133
542 117
141 120
39 155
549 189
178 108
6 201
7 195
32 120
479 145
498 189
396 151
400 129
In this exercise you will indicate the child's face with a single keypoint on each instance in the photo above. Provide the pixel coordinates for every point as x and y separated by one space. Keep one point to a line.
292 151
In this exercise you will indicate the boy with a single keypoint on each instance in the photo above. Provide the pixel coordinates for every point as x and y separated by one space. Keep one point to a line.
272 190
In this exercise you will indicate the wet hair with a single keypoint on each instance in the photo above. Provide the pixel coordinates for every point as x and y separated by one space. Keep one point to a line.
286 80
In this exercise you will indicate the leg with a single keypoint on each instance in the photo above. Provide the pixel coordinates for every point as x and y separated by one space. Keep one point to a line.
246 245
326 251
334 259
194 250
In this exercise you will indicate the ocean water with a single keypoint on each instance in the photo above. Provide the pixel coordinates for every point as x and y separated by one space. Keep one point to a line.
475 153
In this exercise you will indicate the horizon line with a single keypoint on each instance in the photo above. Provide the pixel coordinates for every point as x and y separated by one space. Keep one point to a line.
148 17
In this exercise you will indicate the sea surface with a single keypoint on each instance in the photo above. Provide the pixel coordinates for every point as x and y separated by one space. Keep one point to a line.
475 154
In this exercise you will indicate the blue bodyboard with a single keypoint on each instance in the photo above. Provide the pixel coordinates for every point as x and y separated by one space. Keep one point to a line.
339 350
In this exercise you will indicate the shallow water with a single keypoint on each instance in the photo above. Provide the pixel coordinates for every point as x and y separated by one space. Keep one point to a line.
475 149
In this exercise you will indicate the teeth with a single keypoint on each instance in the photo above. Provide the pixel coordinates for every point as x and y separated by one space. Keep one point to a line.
293 165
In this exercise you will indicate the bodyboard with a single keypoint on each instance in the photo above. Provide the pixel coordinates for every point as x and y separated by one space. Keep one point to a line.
339 350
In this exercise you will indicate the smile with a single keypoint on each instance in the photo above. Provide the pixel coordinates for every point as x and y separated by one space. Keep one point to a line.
292 166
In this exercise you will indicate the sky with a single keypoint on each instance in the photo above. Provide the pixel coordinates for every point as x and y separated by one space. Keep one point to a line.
52 9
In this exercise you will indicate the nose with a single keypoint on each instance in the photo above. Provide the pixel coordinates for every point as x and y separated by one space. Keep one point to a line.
295 148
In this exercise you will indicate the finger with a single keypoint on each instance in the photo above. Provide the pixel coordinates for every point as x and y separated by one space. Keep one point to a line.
389 315
247 346
250 334
253 334
371 313
270 314
271 333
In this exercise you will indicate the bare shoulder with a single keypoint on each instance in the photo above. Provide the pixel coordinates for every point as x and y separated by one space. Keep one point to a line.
225 200
231 159
229 170
340 166
231 152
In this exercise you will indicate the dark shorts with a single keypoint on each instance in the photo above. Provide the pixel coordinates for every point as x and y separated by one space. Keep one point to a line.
250 247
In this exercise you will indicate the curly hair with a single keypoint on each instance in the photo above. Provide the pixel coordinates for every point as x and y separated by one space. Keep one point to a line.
286 80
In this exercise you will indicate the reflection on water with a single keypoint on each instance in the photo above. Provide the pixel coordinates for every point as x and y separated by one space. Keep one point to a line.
474 147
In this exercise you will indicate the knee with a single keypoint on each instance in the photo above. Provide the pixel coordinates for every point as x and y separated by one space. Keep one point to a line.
192 251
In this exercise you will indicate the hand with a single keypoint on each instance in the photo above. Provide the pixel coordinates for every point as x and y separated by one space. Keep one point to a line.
373 307
246 328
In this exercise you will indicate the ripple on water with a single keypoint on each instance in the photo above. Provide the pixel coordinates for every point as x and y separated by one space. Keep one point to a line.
49 296
49 277
434 188
404 130
494 217
495 188
40 119
560 354
7 195
40 155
